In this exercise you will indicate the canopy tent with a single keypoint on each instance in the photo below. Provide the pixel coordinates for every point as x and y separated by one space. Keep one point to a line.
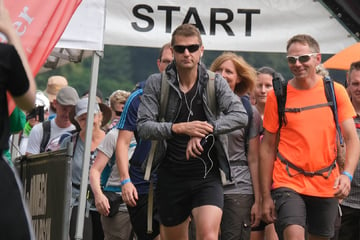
236 25
83 35
343 59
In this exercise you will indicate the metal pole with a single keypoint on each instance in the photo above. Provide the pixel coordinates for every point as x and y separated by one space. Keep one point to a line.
86 162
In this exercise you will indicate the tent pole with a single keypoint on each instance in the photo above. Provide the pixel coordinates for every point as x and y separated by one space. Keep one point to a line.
86 163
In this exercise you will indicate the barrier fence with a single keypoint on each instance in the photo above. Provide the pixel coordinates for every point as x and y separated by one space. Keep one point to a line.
46 178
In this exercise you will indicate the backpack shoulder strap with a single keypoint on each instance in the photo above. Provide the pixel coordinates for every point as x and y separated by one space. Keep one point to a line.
46 135
105 174
280 89
210 89
331 98
247 105
164 96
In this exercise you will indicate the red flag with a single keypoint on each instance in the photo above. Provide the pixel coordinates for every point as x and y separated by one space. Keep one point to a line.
40 25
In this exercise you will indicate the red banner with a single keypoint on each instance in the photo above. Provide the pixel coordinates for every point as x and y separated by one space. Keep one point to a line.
40 25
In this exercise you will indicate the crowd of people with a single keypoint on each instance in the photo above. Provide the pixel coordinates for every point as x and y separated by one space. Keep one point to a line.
195 153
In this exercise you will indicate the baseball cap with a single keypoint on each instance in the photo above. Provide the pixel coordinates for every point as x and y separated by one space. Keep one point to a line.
67 96
54 84
81 107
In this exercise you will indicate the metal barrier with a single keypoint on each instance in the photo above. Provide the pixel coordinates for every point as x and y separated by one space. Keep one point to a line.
46 179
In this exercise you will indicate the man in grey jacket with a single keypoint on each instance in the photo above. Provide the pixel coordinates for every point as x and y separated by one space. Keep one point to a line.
190 150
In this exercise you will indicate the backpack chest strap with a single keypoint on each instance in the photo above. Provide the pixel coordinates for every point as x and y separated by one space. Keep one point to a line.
294 110
319 172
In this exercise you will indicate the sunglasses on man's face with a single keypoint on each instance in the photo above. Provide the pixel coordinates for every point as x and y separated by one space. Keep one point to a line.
302 59
191 48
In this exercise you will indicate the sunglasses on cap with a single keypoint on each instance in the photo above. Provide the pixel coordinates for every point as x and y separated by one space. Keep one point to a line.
191 48
302 59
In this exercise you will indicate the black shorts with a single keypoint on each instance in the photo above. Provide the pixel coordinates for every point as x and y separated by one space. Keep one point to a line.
138 218
236 219
177 196
350 223
316 214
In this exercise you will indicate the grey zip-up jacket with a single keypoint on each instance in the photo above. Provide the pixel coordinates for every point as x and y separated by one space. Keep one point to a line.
230 115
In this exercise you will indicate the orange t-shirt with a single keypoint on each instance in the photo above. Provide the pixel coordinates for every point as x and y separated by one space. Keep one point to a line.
309 138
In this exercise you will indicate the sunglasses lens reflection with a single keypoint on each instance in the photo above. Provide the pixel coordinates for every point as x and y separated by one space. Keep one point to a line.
291 60
190 48
193 48
302 58
179 49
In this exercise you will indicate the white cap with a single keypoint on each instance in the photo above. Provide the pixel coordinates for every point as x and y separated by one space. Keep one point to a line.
42 100
82 105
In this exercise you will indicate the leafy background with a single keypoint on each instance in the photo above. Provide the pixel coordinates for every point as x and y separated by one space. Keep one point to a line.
122 67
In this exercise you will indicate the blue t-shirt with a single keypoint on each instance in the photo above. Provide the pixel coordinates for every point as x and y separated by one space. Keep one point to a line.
128 122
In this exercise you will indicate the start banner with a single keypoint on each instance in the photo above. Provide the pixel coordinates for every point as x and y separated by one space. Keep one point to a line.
235 25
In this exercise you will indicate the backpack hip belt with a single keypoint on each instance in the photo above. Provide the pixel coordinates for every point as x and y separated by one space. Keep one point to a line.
319 172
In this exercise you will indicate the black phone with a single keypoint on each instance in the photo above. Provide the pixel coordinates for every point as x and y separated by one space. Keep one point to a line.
203 141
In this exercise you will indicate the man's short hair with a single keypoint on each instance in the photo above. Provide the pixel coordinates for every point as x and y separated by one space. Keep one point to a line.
354 66
186 30
165 46
306 40
265 70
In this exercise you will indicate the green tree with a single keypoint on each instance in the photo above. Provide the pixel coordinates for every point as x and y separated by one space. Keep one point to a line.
122 67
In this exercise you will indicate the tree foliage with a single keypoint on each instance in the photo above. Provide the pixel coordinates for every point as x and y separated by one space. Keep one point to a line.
122 67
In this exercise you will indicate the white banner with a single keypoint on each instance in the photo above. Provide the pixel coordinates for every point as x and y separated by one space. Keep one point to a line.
234 25
86 27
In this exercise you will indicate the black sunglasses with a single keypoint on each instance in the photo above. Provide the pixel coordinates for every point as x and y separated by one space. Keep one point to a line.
181 48
302 59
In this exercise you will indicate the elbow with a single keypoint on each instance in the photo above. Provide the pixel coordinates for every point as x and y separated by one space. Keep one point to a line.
26 102
245 121
143 133
242 120
140 131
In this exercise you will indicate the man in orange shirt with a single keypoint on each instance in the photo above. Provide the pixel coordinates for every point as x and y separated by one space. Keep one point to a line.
308 142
